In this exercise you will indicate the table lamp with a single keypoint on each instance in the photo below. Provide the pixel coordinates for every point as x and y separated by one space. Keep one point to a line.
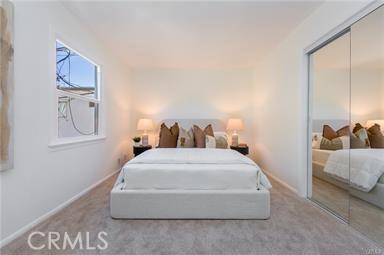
235 125
145 125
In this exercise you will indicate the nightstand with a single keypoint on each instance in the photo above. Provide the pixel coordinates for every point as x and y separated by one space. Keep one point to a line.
243 149
137 150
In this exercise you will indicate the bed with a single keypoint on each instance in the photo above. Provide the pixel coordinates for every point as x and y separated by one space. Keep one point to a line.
191 184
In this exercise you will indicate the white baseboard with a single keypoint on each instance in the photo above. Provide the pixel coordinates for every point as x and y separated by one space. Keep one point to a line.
281 182
28 227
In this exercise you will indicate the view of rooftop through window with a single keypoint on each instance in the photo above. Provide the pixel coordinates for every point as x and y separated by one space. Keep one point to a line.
74 73
78 101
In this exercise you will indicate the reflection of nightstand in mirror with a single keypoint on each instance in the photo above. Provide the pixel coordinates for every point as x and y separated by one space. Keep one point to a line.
242 148
137 150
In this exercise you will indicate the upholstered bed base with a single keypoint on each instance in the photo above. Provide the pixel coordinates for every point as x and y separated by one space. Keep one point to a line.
189 204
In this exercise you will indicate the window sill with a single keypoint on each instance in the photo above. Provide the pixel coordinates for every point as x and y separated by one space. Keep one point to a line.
74 142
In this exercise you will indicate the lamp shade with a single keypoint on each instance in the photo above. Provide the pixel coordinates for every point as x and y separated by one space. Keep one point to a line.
145 125
235 124
370 123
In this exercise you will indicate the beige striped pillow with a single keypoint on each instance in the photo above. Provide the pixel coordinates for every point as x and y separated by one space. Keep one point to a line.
333 145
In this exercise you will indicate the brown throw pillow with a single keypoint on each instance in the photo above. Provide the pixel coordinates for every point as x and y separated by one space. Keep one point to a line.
375 130
331 134
199 135
344 131
168 136
376 138
357 127
208 130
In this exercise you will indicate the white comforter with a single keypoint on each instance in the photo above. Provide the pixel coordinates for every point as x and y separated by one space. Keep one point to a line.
362 168
199 169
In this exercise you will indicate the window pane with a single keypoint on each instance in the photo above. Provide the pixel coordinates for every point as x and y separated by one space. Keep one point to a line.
74 73
77 117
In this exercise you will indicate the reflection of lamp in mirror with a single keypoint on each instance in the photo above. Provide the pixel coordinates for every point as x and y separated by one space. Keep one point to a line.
145 125
370 123
235 125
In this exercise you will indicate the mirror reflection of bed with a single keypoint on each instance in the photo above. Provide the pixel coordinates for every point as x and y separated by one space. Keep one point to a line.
348 180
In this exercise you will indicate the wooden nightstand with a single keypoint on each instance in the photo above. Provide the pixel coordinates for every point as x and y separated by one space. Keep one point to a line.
137 150
243 149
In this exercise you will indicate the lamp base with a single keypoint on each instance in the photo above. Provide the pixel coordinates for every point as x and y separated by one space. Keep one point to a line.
144 140
235 140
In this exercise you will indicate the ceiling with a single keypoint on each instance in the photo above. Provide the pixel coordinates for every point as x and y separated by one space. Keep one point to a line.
208 34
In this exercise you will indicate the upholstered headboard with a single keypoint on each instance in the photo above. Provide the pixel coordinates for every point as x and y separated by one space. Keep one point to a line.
317 125
218 125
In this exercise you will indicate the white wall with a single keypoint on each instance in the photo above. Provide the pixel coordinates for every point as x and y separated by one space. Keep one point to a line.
280 92
194 94
43 178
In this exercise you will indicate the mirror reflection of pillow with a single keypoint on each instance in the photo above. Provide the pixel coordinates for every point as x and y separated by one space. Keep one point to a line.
329 133
332 145
210 141
357 143
361 133
345 141
376 138
316 140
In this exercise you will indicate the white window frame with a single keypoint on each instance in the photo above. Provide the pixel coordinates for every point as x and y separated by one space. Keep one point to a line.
55 140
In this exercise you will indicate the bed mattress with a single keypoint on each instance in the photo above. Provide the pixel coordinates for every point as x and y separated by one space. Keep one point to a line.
192 169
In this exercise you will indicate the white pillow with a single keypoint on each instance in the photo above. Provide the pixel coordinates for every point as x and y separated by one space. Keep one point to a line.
186 138
210 141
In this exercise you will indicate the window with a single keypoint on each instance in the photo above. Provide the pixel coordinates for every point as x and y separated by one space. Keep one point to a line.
78 97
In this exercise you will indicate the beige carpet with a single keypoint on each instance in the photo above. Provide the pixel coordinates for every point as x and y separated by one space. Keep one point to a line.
295 227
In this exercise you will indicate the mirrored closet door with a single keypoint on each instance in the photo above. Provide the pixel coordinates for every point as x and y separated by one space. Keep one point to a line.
346 123
367 125
330 80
